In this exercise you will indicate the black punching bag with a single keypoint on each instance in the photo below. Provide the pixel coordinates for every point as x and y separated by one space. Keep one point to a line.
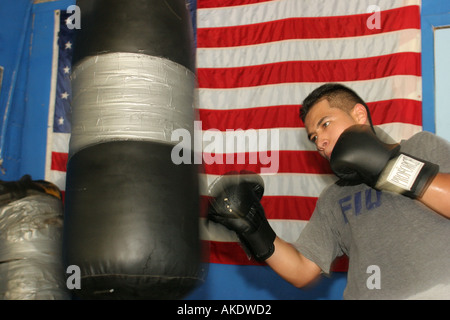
131 215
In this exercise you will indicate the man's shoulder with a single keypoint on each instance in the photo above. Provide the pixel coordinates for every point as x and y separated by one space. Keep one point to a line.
425 143
424 137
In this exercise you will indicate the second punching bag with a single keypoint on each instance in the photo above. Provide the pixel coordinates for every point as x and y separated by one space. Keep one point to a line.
131 214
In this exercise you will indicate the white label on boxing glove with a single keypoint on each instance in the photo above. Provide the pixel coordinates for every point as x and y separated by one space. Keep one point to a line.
405 172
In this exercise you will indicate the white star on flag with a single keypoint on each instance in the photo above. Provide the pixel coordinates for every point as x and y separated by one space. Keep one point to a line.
69 21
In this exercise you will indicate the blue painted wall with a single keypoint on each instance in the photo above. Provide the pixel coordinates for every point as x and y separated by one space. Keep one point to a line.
435 13
26 42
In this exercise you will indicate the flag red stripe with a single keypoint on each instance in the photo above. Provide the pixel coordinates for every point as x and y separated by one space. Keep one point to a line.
340 264
59 161
287 116
261 118
288 207
229 253
287 162
396 110
307 28
203 4
404 63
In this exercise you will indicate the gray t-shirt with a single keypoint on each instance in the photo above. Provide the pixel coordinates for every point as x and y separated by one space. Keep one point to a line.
397 247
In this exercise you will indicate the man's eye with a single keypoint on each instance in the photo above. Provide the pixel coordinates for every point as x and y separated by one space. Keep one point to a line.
313 138
326 124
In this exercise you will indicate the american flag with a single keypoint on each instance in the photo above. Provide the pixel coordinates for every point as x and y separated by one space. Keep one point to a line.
256 61
60 108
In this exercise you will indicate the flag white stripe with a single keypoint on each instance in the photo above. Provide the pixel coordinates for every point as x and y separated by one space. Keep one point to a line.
399 130
60 142
407 40
393 87
284 9
58 178
288 230
283 184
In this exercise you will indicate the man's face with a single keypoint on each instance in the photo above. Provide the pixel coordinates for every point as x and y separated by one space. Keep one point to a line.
325 124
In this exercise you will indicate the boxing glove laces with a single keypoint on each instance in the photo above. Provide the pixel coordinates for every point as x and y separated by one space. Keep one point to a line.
235 204
359 156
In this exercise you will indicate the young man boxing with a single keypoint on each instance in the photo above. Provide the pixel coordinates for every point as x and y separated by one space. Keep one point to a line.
390 207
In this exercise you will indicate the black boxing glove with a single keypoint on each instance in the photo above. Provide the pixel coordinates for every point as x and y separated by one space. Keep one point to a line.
359 156
235 203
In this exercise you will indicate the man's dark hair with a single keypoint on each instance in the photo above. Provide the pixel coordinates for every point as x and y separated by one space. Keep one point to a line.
338 96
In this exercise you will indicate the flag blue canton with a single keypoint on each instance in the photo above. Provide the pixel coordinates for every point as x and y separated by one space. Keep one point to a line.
61 121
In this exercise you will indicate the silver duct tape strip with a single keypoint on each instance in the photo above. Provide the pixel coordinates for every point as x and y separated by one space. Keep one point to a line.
127 96
31 250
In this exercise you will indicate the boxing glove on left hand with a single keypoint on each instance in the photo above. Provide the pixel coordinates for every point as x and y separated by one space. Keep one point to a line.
235 203
359 155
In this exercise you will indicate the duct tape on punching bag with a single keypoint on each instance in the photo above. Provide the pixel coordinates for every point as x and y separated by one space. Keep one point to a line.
31 224
132 214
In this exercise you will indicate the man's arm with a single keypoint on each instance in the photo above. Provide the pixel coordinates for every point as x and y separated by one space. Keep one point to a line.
235 204
291 265
437 195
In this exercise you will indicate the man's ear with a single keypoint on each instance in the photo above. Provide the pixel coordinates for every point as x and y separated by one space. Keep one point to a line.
359 113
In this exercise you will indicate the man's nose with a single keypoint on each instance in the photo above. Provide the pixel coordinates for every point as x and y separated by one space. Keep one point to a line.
321 144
